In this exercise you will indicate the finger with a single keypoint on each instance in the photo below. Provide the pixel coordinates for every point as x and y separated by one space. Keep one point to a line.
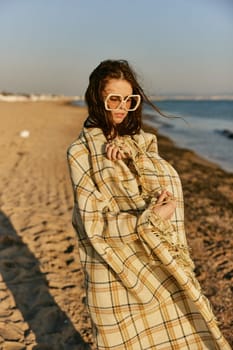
169 194
114 154
162 197
109 144
109 148
121 154
118 156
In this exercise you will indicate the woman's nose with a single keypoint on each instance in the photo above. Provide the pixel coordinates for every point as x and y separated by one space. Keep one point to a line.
123 105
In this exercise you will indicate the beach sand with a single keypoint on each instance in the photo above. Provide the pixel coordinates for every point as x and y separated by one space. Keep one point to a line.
41 282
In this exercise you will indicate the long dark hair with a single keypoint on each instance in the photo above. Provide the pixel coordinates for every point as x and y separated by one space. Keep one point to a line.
97 114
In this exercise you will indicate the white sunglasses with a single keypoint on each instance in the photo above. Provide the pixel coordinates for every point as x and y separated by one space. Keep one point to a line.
114 101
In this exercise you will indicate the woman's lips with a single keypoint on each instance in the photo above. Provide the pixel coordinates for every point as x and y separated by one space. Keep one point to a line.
119 115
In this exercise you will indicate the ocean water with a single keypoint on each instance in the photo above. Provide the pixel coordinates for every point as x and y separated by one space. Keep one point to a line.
204 126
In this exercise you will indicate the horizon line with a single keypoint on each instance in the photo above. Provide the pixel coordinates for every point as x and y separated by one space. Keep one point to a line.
160 97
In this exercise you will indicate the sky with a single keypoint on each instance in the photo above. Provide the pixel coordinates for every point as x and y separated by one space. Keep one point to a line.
175 46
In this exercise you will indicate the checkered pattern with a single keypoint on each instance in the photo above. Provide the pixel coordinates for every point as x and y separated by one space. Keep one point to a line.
141 290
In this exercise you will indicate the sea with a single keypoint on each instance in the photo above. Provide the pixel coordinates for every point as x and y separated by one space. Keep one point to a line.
204 126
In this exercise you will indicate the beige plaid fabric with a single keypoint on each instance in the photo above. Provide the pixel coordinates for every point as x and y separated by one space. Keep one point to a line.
141 291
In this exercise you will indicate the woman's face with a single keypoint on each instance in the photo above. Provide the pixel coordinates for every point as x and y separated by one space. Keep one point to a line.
120 87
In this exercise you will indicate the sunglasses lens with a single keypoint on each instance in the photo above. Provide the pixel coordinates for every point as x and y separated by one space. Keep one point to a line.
132 102
113 102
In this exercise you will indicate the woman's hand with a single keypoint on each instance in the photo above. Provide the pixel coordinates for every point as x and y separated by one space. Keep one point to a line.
115 152
165 205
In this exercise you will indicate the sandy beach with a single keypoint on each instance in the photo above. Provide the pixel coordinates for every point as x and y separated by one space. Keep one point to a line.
41 282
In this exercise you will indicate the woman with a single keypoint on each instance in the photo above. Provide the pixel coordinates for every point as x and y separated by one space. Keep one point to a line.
128 214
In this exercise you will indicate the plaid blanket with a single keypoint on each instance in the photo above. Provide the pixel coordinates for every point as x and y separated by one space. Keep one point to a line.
141 289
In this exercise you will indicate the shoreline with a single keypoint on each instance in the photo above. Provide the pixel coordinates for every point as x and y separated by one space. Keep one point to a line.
41 284
165 140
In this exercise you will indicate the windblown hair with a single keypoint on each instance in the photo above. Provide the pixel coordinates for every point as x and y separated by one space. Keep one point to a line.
97 114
